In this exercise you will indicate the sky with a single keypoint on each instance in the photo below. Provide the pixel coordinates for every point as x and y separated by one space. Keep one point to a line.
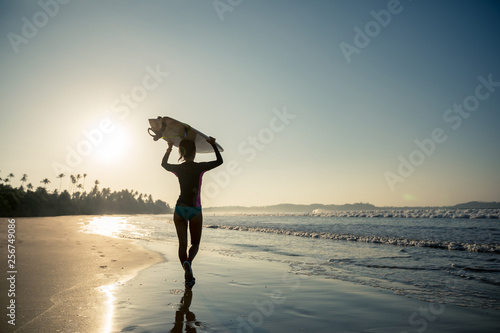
395 103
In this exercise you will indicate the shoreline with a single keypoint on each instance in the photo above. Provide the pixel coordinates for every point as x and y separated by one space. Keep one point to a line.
248 296
61 272
70 281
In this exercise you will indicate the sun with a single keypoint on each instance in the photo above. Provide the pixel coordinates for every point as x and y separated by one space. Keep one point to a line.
114 146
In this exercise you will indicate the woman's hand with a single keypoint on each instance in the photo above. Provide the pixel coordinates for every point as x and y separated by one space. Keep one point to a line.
211 141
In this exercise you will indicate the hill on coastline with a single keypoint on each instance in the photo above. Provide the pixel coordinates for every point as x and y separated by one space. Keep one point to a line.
295 208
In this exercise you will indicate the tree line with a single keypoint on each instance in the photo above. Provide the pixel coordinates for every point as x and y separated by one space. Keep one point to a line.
26 200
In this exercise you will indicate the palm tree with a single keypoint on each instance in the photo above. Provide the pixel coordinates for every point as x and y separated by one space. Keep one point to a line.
96 188
11 175
29 186
78 176
77 195
60 176
24 179
106 192
45 181
73 182
84 176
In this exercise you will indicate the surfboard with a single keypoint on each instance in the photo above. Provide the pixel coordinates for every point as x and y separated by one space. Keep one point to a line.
169 129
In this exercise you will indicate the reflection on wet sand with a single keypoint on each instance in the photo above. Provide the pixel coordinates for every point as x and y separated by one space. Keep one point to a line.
190 322
110 308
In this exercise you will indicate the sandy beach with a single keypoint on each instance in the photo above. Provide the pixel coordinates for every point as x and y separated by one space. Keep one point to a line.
61 273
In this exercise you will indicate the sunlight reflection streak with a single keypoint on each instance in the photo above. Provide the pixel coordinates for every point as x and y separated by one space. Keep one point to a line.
107 226
110 309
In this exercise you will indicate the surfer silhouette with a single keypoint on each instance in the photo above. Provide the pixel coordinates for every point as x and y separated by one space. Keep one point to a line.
188 207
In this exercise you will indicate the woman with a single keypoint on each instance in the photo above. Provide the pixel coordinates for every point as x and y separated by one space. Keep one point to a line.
188 207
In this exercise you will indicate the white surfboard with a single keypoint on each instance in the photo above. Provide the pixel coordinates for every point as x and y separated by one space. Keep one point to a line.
173 130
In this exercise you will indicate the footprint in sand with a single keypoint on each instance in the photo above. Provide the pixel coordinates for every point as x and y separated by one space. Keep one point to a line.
176 291
103 266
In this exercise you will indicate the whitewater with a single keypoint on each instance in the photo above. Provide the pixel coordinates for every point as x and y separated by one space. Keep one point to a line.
437 259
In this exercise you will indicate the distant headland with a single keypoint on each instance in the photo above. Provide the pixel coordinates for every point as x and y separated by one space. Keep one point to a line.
322 208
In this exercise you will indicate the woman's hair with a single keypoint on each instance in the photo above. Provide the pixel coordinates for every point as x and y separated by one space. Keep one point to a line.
187 149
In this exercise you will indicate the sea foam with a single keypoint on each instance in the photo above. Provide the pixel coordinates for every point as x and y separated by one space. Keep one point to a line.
397 213
445 245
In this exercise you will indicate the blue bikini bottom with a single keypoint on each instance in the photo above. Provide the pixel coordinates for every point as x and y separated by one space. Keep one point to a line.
187 213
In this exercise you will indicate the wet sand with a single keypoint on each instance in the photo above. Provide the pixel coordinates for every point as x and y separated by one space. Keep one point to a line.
60 271
239 295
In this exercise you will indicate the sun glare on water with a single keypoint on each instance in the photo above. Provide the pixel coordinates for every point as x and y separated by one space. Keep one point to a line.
113 226
106 225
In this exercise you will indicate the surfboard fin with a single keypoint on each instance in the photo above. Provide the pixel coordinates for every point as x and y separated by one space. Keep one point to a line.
187 128
158 134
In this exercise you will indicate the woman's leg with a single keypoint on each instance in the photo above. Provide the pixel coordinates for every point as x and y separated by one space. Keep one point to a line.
195 226
181 228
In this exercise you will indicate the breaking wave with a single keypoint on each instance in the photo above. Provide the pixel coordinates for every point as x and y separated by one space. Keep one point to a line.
455 246
399 213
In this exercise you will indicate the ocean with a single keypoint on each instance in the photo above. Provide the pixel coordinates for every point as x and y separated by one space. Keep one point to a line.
444 260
